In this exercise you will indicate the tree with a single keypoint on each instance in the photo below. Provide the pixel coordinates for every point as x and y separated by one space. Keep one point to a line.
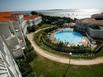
34 13
31 28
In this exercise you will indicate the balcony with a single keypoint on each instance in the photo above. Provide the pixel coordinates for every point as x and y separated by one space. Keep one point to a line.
3 69
10 37
22 44
12 41
18 52
23 24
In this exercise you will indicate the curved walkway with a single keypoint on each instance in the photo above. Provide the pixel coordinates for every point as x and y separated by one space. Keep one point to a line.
61 59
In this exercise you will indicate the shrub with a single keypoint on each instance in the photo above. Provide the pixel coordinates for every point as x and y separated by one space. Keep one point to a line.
24 67
60 46
33 74
23 63
31 29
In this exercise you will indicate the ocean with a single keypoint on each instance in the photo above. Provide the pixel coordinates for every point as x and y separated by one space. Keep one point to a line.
72 13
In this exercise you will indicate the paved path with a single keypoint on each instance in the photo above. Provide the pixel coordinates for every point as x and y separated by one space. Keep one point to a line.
61 59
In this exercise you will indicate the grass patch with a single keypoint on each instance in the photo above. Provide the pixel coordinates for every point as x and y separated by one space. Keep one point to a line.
49 68
42 26
100 53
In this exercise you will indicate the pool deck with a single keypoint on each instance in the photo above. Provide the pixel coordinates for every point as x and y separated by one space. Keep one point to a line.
84 41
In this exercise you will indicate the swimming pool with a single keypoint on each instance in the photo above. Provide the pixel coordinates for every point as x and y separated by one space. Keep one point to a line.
68 36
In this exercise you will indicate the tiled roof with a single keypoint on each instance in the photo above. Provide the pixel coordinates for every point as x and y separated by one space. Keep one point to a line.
28 17
97 15
91 21
7 16
4 19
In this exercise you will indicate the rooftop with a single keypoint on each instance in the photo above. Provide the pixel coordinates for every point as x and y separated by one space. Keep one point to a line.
91 21
8 16
97 15
5 14
28 17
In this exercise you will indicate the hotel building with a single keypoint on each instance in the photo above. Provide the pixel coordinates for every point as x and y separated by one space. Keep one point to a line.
8 66
32 20
92 26
13 29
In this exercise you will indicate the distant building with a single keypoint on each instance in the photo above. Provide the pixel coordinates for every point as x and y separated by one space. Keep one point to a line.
32 20
97 16
92 26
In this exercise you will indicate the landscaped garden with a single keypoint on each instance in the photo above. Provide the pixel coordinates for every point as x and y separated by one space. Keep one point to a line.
44 42
42 67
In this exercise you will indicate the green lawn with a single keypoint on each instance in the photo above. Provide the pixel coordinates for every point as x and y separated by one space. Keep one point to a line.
100 53
43 26
49 68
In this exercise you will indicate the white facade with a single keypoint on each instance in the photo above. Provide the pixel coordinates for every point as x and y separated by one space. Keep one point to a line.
96 33
34 21
37 20
14 36
23 23
12 43
89 25
8 67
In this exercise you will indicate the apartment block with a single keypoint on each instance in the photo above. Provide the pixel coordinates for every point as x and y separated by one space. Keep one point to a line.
13 31
8 67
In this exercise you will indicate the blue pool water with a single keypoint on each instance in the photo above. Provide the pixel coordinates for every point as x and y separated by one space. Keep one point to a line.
68 36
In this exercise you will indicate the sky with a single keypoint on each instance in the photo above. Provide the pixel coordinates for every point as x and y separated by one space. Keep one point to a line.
22 5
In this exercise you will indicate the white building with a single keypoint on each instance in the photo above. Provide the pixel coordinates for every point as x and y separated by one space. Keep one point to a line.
13 31
33 20
93 26
96 32
97 16
8 67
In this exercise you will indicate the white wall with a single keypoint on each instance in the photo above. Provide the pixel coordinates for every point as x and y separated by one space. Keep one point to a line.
95 33
8 61
4 30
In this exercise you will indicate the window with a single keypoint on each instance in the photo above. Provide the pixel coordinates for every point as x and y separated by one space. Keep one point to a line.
11 30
